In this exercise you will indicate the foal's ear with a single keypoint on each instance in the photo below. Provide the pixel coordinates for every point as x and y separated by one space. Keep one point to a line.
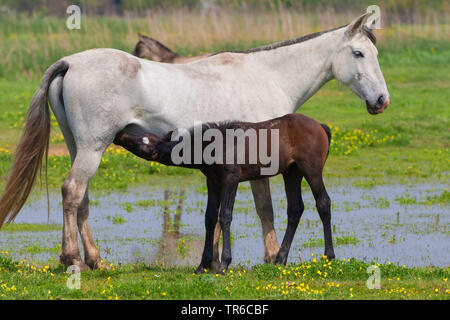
356 25
168 136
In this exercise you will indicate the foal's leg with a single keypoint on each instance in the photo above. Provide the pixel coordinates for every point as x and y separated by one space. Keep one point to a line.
264 209
211 216
227 197
323 204
74 191
295 207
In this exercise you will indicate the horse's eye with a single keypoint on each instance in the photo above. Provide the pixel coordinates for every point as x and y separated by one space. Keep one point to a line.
358 54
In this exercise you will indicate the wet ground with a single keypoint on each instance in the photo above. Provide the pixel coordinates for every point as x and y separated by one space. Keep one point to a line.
166 225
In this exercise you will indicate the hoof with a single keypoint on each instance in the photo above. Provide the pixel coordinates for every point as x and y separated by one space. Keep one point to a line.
271 247
221 273
222 270
215 265
81 266
279 260
330 255
270 258
98 264
201 269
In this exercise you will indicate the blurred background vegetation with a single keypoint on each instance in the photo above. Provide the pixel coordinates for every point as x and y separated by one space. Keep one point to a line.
139 7
33 33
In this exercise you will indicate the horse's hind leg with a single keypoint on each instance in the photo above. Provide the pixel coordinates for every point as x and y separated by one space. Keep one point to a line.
323 204
295 207
91 254
264 209
75 200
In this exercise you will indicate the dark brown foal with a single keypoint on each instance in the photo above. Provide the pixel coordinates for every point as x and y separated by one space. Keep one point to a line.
301 145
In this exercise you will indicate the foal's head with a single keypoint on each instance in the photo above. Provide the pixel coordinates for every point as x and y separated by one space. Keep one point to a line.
356 65
146 146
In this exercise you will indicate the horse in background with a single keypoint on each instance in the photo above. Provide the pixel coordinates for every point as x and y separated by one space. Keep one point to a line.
149 48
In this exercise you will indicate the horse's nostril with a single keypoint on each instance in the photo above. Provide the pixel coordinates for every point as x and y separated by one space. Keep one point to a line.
380 100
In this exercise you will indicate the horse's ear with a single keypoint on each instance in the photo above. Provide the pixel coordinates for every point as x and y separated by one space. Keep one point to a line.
168 136
156 50
356 25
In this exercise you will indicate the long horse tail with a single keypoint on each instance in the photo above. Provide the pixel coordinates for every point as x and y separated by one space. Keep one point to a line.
328 132
33 146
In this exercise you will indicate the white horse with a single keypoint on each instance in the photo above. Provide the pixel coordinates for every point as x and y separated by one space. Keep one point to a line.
96 93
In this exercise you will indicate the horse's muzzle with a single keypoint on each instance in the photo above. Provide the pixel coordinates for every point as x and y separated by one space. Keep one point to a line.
379 107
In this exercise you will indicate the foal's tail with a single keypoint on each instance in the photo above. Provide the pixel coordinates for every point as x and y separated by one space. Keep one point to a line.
328 132
31 149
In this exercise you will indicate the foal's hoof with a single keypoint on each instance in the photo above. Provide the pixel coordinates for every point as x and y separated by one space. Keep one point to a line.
330 256
222 270
281 259
201 269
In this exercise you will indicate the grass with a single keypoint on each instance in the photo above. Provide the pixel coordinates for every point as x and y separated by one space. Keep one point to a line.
337 241
30 227
317 279
408 143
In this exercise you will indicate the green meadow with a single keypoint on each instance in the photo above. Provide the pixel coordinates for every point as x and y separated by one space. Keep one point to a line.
317 279
407 144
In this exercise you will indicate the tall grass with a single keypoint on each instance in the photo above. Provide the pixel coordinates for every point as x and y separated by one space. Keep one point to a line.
28 46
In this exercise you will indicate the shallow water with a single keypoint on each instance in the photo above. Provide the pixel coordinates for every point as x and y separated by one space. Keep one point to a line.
171 231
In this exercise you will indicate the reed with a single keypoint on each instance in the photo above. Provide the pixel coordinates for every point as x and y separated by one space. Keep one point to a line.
30 45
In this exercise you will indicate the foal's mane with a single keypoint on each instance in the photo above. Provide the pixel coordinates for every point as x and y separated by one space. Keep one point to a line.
220 125
366 31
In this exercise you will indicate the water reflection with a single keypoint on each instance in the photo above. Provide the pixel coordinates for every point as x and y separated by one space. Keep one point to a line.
174 246
166 225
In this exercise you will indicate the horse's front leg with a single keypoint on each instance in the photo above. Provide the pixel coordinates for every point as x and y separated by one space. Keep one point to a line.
227 197
264 209
211 216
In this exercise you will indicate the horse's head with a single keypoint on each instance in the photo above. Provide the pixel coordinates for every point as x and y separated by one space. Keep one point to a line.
356 65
